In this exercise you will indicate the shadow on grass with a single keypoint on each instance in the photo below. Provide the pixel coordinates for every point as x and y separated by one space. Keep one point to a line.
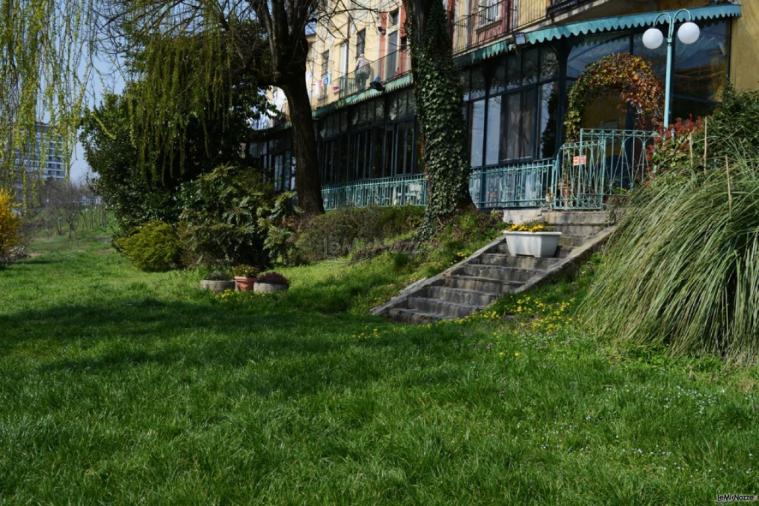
309 349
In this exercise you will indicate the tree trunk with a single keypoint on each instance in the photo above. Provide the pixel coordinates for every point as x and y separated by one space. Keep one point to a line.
307 180
439 101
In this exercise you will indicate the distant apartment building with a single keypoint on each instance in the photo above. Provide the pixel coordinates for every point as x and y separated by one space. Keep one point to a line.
46 158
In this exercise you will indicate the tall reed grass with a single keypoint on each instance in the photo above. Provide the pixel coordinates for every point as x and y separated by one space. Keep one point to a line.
683 267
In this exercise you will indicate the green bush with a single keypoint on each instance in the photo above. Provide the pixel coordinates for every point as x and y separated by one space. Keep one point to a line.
153 247
279 223
341 231
219 222
683 269
731 131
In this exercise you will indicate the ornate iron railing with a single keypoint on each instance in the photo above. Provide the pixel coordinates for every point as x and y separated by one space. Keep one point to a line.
581 176
557 6
626 162
384 192
600 164
520 185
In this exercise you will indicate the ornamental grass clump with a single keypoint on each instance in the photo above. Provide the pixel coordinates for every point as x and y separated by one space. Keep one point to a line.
683 268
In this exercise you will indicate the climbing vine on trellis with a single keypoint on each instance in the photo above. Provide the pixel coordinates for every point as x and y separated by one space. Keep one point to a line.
632 76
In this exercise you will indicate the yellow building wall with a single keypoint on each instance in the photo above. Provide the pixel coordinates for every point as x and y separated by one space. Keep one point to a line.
345 26
744 48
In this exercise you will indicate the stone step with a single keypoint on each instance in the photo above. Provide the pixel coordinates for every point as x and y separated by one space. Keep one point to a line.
488 285
440 307
576 217
562 252
461 296
496 272
521 262
578 230
406 315
571 241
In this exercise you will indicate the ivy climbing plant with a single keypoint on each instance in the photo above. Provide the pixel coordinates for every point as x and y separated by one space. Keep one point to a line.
632 76
439 105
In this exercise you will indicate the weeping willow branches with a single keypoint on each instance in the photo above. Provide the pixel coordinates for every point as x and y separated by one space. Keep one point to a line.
45 63
190 62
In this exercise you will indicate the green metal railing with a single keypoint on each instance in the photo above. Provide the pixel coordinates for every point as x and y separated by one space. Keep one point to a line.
626 155
521 185
582 176
578 176
384 192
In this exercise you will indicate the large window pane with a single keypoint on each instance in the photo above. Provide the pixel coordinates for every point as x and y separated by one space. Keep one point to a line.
592 49
510 124
530 66
700 71
494 130
549 64
549 98
514 71
477 89
498 79
476 137
527 131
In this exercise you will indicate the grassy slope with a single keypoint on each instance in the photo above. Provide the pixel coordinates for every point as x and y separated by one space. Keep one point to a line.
121 386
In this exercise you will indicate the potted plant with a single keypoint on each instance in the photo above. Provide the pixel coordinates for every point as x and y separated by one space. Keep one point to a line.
532 239
217 281
271 282
245 276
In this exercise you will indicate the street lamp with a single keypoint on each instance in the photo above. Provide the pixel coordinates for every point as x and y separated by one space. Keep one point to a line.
688 33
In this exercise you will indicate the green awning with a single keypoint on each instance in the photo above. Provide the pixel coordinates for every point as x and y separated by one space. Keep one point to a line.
628 22
609 24
396 84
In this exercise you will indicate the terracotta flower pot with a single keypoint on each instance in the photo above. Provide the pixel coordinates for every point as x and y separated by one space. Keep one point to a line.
244 283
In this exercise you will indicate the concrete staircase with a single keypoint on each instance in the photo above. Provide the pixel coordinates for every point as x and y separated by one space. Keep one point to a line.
479 280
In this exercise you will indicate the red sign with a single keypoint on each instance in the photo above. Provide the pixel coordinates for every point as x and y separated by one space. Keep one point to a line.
579 160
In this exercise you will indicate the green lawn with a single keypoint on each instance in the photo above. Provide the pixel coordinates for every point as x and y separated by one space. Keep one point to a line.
118 386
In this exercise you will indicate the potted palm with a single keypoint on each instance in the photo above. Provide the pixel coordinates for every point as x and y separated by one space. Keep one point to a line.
217 281
245 277
532 239
271 282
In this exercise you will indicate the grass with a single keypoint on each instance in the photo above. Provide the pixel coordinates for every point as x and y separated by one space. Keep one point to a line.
123 387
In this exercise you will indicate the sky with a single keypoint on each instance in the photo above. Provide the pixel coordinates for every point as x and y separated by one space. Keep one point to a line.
106 78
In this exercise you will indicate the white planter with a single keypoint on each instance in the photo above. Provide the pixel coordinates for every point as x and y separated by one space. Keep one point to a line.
536 244
216 286
268 287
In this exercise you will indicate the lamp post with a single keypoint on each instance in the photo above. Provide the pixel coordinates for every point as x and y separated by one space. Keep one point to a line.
688 33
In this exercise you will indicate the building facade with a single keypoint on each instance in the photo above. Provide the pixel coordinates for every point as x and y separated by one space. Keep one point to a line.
517 61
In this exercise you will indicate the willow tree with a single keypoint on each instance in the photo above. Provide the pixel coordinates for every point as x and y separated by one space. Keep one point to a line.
264 40
45 50
439 104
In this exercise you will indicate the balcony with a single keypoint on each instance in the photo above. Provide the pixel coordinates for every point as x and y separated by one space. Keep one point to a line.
493 20
559 6
389 67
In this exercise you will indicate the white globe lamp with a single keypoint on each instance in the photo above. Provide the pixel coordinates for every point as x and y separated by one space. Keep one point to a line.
653 38
688 33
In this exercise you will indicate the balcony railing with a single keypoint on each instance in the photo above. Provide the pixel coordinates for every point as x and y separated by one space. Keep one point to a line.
557 6
492 20
387 68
